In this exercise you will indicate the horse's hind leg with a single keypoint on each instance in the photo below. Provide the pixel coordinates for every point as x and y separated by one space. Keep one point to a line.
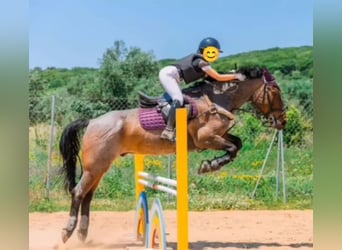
85 212
84 222
79 193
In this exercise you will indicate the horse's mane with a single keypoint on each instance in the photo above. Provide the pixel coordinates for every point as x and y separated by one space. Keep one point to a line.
251 72
195 89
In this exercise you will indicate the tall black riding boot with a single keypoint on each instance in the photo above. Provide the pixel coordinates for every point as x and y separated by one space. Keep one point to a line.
169 132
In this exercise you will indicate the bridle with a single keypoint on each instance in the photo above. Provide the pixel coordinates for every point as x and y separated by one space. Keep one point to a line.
264 95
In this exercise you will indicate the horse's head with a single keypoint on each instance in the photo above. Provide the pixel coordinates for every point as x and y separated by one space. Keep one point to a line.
267 96
267 100
259 88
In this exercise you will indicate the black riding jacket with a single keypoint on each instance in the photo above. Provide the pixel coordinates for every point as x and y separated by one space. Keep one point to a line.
189 68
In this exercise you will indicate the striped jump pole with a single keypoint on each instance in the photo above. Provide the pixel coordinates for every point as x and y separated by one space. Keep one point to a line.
177 187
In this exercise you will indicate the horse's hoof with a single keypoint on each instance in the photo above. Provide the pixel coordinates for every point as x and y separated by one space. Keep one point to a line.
66 235
204 168
82 234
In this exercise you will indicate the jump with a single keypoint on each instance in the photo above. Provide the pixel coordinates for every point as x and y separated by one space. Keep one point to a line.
118 133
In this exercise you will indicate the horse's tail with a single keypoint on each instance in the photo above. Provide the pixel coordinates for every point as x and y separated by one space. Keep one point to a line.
69 146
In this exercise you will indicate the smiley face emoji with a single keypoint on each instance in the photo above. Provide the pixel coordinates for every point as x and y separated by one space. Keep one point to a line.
211 54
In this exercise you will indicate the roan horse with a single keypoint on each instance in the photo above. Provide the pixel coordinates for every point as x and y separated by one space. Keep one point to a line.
118 133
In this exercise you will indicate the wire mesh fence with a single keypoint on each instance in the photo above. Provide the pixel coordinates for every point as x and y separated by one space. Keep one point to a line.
49 115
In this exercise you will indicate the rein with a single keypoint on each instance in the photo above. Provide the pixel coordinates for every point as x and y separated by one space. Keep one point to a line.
263 94
266 99
214 109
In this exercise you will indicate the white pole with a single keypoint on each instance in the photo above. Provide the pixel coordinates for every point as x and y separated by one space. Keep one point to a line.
160 179
47 194
264 163
283 166
278 167
158 187
280 161
169 173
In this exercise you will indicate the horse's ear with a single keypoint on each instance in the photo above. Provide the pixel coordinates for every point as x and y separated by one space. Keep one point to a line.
268 76
270 79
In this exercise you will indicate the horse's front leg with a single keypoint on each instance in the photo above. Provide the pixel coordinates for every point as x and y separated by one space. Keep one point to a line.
235 140
216 142
216 164
219 162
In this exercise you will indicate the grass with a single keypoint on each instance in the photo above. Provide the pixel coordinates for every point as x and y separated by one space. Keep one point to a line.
229 188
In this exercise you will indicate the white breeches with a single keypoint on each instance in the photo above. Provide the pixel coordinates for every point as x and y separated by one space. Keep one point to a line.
169 78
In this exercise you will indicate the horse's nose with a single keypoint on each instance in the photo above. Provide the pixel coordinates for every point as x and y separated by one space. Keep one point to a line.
279 124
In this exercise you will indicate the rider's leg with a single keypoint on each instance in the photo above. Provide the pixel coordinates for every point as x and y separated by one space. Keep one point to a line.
169 131
169 78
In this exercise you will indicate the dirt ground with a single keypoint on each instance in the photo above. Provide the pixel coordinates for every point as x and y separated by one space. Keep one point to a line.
262 230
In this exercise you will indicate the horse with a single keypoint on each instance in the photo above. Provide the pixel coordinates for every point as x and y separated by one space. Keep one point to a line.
119 132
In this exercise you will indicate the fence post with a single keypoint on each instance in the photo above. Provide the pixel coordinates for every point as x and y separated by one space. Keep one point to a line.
283 165
47 193
182 179
280 160
139 167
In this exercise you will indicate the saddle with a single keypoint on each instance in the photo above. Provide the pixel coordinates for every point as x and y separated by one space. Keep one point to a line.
153 111
146 101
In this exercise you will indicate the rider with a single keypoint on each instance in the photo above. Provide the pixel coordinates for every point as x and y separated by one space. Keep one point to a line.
189 69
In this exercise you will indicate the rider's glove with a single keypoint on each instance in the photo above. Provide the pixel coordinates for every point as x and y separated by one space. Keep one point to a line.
240 76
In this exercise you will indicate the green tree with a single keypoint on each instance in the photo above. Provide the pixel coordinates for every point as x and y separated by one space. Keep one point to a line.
295 127
111 73
123 69
37 87
299 91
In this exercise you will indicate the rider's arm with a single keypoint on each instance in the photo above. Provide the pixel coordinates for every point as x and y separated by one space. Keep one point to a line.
219 77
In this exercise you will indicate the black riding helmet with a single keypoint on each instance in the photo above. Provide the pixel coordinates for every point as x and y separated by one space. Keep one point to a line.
209 42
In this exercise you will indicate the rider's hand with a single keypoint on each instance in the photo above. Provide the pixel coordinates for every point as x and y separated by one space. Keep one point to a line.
240 76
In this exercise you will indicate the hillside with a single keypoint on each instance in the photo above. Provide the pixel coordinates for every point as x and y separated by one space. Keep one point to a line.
123 72
284 60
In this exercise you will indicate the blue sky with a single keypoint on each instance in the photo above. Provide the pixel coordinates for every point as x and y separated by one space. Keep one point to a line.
76 33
